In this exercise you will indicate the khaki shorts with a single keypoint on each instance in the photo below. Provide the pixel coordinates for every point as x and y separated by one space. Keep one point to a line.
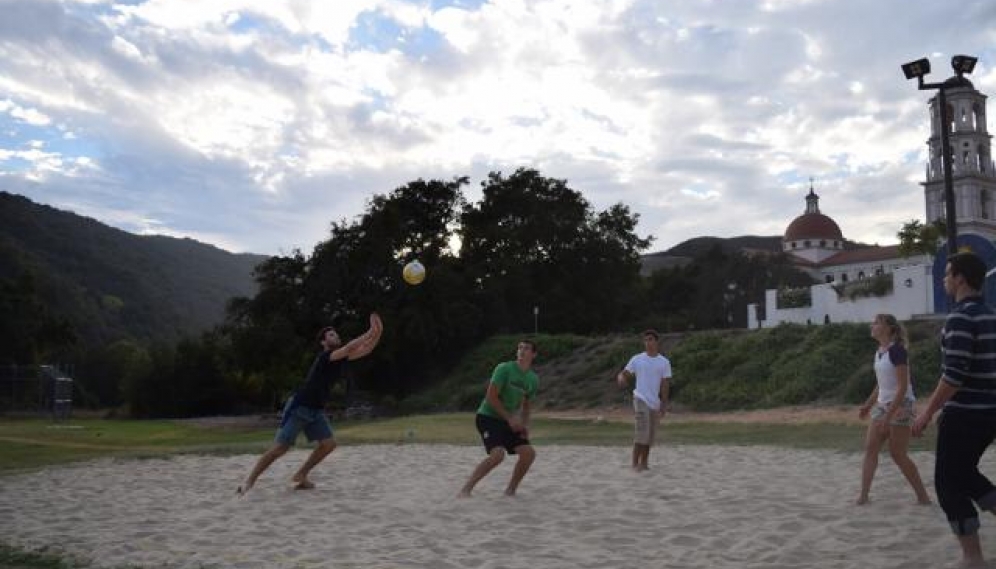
903 417
646 422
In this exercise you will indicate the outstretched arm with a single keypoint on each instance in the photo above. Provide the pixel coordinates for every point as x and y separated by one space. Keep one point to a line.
363 344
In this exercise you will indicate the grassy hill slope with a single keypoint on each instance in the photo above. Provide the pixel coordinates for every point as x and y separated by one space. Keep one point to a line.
713 370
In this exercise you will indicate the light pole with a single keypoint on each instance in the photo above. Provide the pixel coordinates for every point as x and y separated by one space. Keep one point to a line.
730 296
961 64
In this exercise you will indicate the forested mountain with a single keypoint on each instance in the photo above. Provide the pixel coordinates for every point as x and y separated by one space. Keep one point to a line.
684 252
700 245
101 284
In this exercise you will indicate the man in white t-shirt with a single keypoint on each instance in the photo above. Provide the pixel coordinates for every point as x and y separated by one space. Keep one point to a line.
653 377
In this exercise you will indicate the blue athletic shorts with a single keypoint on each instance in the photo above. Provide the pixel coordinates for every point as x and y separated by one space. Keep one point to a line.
297 418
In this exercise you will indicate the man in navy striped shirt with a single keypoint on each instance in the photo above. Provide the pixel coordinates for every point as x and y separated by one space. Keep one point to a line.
966 392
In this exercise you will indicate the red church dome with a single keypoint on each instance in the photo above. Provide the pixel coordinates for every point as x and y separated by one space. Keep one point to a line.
813 226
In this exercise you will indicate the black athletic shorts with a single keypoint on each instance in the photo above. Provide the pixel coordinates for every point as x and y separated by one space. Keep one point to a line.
498 433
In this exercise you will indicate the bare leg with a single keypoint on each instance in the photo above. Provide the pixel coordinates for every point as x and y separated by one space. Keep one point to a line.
641 454
971 550
494 458
264 462
899 443
526 455
874 437
300 478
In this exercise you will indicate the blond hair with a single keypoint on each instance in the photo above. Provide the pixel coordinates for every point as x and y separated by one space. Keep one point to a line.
897 331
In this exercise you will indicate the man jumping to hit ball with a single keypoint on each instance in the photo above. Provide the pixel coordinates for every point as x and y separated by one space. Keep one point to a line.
305 410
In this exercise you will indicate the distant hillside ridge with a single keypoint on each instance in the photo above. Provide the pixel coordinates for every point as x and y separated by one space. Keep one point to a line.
684 252
111 284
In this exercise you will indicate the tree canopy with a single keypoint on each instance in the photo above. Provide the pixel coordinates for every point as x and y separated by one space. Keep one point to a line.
530 255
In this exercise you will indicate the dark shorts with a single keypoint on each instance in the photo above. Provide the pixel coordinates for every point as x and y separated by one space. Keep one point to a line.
297 418
498 433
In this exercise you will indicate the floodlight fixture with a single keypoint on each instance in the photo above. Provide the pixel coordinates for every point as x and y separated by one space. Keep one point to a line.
963 64
917 69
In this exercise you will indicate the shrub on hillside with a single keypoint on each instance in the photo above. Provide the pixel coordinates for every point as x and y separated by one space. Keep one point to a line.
790 364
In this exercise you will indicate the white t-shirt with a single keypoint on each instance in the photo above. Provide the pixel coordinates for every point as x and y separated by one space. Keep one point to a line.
885 372
649 372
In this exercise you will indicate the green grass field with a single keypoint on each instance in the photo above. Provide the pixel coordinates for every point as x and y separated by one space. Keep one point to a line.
27 444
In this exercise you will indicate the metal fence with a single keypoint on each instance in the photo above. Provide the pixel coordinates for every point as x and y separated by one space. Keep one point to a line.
42 389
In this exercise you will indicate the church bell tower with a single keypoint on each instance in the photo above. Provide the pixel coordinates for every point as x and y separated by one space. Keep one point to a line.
972 169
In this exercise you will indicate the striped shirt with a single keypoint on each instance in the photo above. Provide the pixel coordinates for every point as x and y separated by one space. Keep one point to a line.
968 346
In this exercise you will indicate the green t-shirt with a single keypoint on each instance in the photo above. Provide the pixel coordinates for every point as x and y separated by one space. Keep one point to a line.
513 385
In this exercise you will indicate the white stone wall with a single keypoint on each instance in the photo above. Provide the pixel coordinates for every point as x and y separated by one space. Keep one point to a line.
870 268
912 295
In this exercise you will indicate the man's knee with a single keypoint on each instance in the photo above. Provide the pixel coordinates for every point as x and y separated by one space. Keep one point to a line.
327 445
278 450
526 453
496 455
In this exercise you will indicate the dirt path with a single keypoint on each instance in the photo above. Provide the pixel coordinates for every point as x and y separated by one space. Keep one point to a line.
844 414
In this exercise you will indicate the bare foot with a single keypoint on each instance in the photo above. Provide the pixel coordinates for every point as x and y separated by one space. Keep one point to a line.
510 493
464 494
862 500
924 502
304 484
241 491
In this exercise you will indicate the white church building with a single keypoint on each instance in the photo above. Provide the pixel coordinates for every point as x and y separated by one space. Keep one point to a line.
857 284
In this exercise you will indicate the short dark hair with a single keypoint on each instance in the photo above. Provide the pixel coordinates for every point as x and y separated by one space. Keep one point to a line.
651 332
532 344
322 332
970 266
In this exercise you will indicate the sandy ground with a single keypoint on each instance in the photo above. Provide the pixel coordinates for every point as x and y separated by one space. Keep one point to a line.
392 506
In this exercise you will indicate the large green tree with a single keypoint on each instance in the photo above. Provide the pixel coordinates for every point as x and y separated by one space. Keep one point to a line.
358 270
533 242
714 288
917 238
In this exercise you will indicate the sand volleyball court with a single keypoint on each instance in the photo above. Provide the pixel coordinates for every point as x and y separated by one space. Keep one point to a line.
387 506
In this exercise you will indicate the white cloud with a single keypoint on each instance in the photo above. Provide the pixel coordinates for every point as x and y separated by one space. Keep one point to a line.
703 116
25 115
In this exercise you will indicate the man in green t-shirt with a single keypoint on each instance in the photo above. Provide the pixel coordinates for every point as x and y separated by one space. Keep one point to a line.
503 418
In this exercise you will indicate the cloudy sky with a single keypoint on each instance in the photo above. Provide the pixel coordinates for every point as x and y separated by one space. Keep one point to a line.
253 124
